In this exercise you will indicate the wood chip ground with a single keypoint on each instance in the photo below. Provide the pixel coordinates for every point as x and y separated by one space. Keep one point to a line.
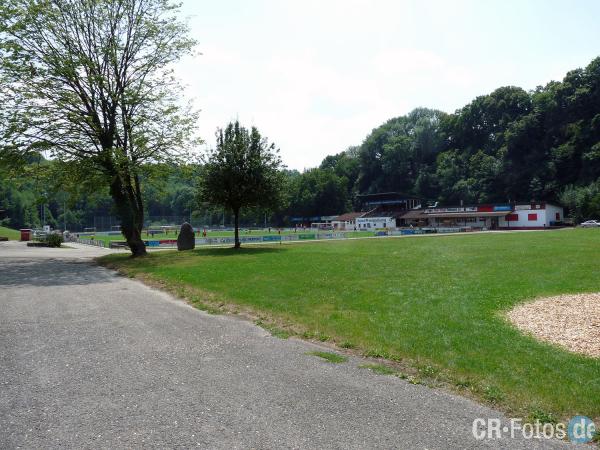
571 321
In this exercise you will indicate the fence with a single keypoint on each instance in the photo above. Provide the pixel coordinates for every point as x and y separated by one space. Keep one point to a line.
111 223
93 242
208 241
171 243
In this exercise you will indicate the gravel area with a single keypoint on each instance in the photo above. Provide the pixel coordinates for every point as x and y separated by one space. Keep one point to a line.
571 321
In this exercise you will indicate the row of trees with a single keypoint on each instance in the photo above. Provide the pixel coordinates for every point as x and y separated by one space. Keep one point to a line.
39 194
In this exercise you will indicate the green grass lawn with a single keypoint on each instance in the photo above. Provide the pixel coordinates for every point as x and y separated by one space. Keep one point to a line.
13 235
433 302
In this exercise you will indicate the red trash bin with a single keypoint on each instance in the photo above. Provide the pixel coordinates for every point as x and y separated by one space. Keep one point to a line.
25 234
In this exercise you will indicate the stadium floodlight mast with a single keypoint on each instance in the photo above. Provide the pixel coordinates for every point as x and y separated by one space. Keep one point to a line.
91 82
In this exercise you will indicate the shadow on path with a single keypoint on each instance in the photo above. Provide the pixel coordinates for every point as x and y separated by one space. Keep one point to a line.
52 272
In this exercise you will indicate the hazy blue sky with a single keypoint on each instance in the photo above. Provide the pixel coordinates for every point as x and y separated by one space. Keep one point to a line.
317 76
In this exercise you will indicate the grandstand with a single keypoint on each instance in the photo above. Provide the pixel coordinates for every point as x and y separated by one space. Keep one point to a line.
384 210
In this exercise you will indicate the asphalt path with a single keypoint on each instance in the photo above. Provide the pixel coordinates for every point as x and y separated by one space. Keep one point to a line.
91 359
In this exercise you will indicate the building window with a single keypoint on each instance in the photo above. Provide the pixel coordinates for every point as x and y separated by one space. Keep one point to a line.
557 216
532 217
512 218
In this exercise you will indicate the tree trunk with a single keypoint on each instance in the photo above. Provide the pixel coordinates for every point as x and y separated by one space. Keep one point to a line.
135 243
130 209
236 219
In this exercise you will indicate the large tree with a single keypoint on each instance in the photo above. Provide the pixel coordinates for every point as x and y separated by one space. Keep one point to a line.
243 171
393 156
90 82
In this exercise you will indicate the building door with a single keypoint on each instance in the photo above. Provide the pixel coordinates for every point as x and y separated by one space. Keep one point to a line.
494 221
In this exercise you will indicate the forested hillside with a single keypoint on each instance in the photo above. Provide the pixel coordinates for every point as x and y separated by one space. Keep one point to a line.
509 145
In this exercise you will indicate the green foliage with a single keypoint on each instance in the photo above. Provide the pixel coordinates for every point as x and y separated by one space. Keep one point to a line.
318 192
344 164
90 83
393 155
54 240
243 171
583 202
541 416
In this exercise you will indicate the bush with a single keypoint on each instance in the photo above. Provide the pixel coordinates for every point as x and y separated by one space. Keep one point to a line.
54 240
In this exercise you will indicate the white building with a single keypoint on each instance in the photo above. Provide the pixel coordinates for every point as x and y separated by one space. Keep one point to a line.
373 223
347 221
532 215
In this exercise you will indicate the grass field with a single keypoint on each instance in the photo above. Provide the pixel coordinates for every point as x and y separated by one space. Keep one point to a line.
214 234
13 235
432 303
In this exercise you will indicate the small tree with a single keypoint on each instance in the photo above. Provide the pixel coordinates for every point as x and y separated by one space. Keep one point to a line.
243 171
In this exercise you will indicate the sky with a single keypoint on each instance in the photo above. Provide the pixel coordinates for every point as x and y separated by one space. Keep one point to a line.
316 77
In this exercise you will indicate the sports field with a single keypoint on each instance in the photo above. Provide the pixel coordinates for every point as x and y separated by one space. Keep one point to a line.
433 303
217 233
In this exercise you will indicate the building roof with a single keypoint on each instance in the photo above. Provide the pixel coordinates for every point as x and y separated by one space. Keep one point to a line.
469 214
421 214
350 216
388 194
386 198
414 214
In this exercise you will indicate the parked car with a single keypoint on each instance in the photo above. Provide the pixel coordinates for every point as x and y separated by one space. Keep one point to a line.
590 224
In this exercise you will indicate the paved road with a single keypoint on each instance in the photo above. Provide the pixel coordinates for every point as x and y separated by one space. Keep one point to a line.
92 359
